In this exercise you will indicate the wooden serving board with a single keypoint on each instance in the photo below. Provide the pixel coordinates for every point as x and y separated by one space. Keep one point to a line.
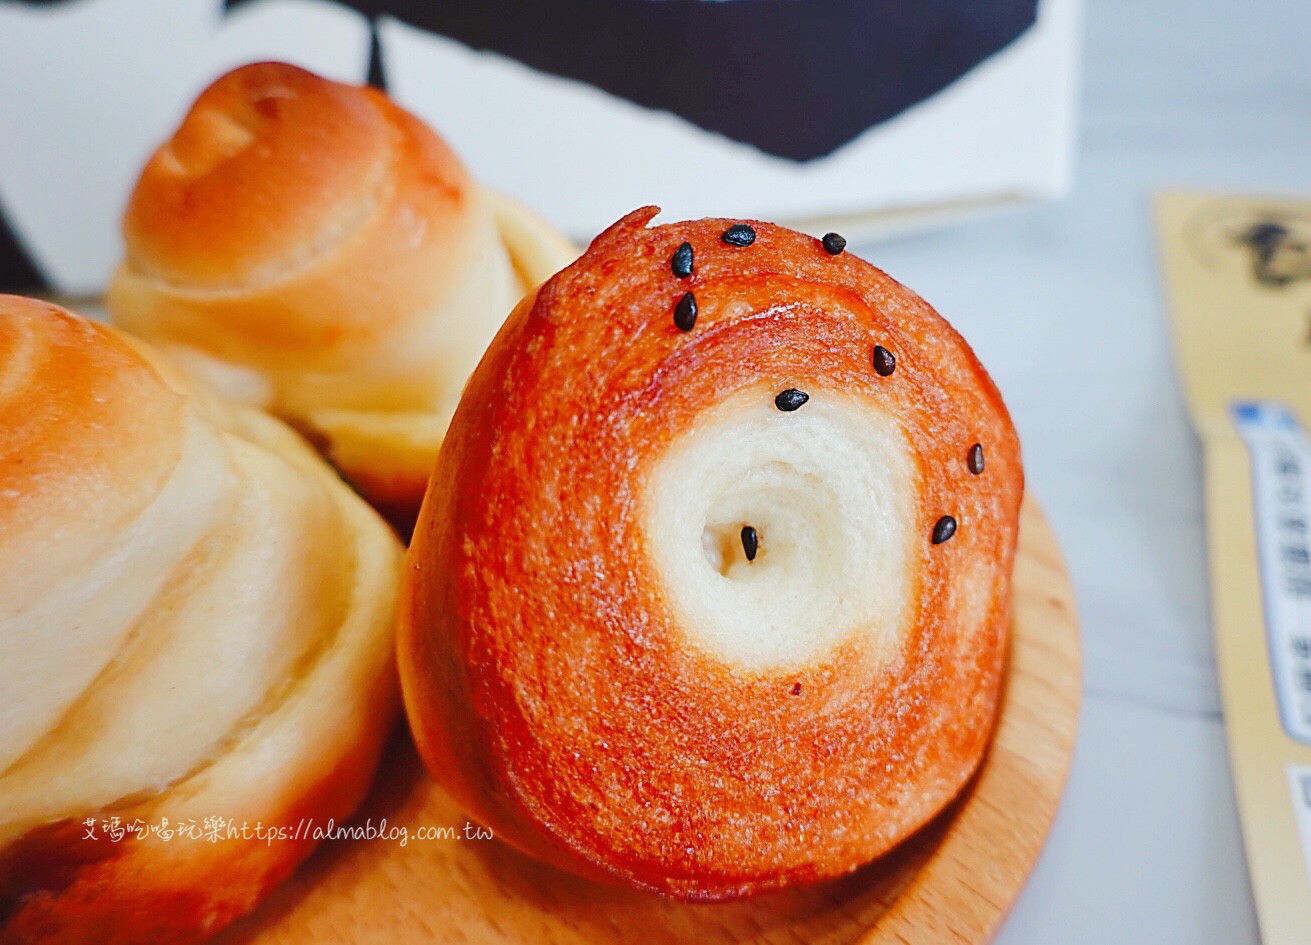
950 884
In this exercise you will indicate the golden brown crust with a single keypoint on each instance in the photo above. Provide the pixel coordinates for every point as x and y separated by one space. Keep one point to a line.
547 670
336 220
110 460
303 158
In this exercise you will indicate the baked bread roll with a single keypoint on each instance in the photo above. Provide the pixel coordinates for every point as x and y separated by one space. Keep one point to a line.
721 603
196 627
313 249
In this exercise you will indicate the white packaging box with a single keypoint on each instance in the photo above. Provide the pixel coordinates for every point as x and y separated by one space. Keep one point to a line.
971 104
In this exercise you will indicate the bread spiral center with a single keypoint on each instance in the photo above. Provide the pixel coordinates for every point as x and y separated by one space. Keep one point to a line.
829 492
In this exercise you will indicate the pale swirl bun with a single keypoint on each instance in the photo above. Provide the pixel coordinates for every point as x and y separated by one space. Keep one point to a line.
721 598
313 249
195 622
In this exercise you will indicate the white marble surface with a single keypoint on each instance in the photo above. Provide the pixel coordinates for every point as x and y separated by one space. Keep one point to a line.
1063 302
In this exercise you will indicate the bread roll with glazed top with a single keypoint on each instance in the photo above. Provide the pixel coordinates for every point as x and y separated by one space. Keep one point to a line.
311 248
721 602
196 628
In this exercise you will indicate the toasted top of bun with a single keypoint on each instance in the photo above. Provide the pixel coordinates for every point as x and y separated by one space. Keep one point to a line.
272 168
296 225
302 157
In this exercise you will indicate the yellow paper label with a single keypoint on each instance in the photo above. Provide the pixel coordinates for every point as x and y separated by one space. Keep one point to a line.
1238 277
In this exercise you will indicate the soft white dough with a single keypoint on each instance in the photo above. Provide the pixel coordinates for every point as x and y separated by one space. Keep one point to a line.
206 653
830 489
424 364
56 639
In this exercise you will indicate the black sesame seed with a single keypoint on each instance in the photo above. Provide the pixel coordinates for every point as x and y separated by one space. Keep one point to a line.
833 243
884 362
796 689
943 529
974 459
750 542
681 262
790 399
685 312
739 234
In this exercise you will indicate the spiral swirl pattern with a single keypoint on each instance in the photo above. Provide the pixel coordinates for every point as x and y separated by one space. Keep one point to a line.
195 621
717 604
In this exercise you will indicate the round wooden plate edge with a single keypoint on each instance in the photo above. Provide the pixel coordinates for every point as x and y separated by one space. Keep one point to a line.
951 884
966 888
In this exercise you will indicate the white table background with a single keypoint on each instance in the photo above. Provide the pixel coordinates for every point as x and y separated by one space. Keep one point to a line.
1064 304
